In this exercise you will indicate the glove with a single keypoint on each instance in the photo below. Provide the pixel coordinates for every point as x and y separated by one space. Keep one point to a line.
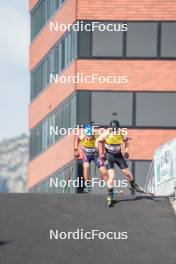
76 154
126 155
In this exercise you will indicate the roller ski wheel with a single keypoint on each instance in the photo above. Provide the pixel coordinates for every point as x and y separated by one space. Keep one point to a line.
110 200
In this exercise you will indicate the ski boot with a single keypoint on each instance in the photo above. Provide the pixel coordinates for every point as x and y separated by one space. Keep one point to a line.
88 188
135 187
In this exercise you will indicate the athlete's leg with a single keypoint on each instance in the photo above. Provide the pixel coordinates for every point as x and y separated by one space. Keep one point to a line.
111 178
86 171
101 165
104 173
86 175
130 177
128 174
111 171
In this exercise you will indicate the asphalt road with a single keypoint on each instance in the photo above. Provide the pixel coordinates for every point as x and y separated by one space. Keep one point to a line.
26 221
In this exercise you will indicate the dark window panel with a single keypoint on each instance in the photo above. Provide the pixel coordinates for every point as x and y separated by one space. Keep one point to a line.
62 54
83 107
44 17
73 111
45 76
84 44
59 120
32 144
106 103
168 40
155 109
67 114
49 9
106 43
38 141
57 59
142 39
33 25
57 3
33 86
48 69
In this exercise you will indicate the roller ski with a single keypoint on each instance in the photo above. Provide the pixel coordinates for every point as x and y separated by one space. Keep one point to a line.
136 188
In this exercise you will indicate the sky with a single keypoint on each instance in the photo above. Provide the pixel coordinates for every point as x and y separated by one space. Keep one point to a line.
14 75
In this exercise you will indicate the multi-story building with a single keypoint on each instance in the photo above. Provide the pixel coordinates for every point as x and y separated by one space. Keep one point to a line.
145 53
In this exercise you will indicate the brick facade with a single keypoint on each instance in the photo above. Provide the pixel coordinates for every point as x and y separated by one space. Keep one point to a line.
126 10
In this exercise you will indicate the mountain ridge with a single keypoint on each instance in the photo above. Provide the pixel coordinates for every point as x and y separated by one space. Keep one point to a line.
14 157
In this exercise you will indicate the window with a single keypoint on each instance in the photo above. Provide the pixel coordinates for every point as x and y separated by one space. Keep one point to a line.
63 57
142 39
74 44
83 106
59 120
33 25
64 116
45 74
107 43
155 109
57 59
48 71
73 111
57 3
52 62
51 123
168 40
45 132
33 86
38 79
38 138
32 144
84 43
43 11
105 103
67 114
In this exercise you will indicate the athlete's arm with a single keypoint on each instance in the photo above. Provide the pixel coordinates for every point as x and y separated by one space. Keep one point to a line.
76 146
126 154
100 145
